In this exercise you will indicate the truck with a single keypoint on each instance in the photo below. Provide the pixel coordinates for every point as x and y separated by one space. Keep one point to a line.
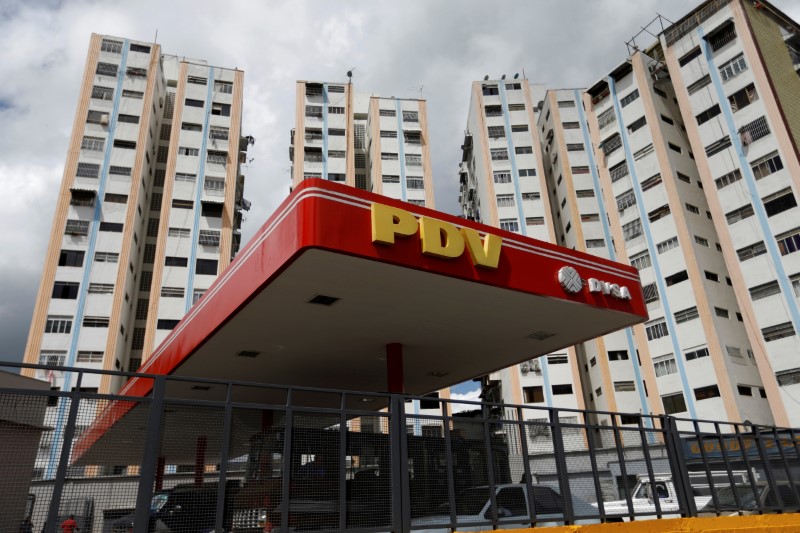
315 471
646 491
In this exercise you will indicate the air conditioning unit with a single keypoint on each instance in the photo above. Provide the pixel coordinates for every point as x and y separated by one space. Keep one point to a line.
104 118
536 366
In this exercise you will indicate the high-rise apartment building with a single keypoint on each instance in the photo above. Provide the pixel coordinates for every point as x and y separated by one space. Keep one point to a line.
372 143
734 65
503 184
694 352
148 213
369 142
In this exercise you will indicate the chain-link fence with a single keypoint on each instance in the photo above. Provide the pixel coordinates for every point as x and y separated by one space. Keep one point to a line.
194 456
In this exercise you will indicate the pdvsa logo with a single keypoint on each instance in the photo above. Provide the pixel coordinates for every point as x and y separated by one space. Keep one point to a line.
572 283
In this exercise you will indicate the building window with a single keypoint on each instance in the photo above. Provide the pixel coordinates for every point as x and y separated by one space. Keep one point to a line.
590 217
88 170
732 68
129 119
534 221
665 365
650 293
388 134
637 124
669 244
509 224
779 331
699 84
611 144
628 98
138 95
517 128
606 118
562 389
584 193
137 342
183 204
644 152
689 57
523 172
651 182
722 313
502 176
696 354
570 126
136 71
727 179
209 237
789 242
207 266
718 146
410 116
618 355
624 386
106 257
692 209
577 147
172 292
102 93
493 111
107 69
524 150
387 112
314 111
388 156
787 377
197 80
58 324
224 87
95 322
101 288
116 198
749 252
166 324
71 258
390 179
702 241
626 200
766 165
415 183
516 107
632 229
618 171
656 330
112 47
499 154
779 202
90 357
641 260
673 403
141 309
146 281
172 261
750 133
703 393
413 160
197 294
94 144
52 357
533 394
496 132
194 103
685 315
505 200
743 98
114 227
412 137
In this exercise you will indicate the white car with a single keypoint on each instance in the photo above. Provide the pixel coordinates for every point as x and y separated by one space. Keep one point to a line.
473 510
643 498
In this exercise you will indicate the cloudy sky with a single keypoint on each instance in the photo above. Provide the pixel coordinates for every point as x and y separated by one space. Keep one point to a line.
396 47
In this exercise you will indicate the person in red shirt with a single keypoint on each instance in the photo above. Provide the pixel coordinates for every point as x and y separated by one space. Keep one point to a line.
70 525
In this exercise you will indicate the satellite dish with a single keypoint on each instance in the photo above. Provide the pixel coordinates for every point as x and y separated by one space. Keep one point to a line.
516 75
503 77
486 78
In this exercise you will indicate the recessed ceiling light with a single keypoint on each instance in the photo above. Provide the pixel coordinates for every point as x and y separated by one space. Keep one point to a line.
201 387
540 335
367 400
322 299
438 374
248 353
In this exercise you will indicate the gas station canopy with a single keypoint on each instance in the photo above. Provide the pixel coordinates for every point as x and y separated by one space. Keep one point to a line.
318 294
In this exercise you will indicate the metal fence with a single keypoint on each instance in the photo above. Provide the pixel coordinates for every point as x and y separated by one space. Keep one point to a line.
198 455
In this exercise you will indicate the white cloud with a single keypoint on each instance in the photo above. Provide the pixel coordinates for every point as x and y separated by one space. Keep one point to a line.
472 396
395 47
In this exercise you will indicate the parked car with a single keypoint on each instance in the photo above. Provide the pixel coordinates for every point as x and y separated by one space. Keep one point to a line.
474 509
748 504
125 524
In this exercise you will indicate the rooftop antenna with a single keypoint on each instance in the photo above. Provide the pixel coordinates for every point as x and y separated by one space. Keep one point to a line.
350 75
156 38
418 89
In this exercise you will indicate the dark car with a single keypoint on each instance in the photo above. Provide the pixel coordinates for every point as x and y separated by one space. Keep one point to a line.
125 524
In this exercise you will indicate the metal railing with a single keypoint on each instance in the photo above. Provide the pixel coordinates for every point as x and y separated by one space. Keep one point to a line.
201 454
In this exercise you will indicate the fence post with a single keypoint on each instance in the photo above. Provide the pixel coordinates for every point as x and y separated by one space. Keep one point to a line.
680 471
287 461
561 467
526 464
448 444
342 474
649 463
63 460
590 444
223 462
773 487
623 469
399 453
141 520
487 439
